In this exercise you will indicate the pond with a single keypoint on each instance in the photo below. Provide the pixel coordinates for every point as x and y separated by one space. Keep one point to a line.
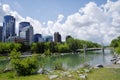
75 61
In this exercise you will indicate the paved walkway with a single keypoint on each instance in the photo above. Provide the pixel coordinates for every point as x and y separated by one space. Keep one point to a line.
112 66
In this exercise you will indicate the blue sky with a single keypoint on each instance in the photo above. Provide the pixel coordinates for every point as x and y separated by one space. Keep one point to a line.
93 20
45 10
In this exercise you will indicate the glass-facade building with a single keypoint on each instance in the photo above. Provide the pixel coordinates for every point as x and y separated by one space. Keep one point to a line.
26 32
8 27
1 33
48 39
22 25
37 37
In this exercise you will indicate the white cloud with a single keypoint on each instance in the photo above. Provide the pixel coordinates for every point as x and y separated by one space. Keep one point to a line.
92 22
6 8
60 18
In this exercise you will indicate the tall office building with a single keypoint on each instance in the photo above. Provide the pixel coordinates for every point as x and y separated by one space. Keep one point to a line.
22 25
48 39
37 37
1 33
8 27
26 32
57 37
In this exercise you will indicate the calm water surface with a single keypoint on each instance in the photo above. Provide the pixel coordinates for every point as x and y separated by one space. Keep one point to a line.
75 61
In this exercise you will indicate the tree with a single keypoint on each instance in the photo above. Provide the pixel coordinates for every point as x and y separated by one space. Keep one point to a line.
25 66
33 47
115 43
73 44
62 48
6 48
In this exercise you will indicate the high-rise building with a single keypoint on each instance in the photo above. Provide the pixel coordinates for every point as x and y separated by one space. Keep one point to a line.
15 39
48 39
37 37
22 25
1 33
57 37
26 32
8 27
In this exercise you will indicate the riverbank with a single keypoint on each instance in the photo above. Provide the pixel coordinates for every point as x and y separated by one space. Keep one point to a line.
112 66
94 74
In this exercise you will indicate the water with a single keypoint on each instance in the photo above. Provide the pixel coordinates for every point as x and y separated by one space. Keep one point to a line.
75 61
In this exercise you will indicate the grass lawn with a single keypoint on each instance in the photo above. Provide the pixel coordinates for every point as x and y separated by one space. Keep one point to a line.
11 76
105 74
100 74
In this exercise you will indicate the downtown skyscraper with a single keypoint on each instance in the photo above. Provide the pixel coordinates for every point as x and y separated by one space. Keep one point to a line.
1 33
57 37
26 32
8 27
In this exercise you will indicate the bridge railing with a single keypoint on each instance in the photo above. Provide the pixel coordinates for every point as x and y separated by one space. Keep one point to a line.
89 49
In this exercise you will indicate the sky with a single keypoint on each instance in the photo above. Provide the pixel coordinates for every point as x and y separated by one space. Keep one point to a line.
94 20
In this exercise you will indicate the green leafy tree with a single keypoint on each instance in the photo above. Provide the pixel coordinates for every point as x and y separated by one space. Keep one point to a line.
25 66
115 43
62 48
73 44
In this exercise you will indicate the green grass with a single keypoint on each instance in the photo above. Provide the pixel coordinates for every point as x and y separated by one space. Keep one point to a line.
100 74
12 76
105 74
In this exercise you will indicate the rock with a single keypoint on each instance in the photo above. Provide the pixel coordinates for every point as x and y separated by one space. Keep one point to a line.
86 65
53 77
114 62
40 71
65 73
69 76
77 71
118 62
99 66
113 59
7 70
87 70
82 76
96 67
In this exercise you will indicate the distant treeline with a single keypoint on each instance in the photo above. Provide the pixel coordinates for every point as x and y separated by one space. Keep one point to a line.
47 47
115 43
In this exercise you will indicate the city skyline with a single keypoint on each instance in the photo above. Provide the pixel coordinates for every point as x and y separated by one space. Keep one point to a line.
92 20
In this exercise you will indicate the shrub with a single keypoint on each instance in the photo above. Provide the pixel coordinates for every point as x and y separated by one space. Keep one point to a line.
57 65
47 52
25 66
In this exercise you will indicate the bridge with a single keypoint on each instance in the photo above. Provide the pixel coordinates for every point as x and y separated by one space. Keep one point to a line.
89 49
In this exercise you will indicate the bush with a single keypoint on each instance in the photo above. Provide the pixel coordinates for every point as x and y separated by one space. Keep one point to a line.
57 65
47 52
25 66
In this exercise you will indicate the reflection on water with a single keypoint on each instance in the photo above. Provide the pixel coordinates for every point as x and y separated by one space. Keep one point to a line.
74 61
